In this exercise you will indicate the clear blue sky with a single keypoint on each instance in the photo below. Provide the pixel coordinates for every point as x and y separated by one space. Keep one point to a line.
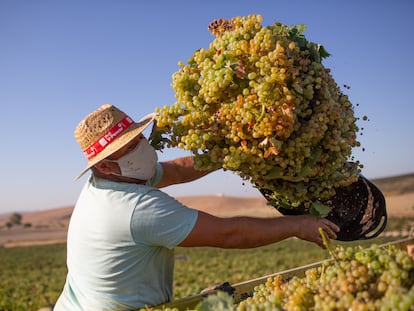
61 59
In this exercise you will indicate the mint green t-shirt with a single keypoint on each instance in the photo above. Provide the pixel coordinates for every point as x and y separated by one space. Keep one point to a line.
120 246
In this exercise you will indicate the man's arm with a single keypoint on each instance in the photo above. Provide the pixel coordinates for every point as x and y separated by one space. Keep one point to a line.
248 232
179 171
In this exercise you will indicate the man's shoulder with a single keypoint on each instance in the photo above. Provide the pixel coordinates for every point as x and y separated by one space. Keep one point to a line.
112 185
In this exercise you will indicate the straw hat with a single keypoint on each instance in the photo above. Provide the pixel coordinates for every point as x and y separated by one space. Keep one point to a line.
105 131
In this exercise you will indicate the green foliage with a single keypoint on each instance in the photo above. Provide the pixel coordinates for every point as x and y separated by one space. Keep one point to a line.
15 219
219 302
33 277
319 209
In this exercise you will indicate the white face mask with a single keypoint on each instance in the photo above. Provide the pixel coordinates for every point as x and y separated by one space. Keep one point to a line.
139 163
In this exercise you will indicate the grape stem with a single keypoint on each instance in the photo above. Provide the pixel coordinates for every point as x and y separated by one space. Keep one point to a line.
262 113
326 243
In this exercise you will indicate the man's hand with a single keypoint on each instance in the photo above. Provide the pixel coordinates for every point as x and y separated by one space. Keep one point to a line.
308 229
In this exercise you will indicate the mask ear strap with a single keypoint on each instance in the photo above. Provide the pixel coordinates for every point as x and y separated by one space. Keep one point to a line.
104 168
110 160
137 181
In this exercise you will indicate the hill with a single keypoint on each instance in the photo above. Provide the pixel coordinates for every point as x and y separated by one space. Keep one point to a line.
396 184
50 226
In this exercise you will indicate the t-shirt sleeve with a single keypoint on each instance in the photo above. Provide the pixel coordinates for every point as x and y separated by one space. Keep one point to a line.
160 220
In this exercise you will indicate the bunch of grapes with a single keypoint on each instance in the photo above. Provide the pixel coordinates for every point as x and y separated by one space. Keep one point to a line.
259 102
373 279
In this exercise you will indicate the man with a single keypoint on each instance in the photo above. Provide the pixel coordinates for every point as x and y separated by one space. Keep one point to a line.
123 229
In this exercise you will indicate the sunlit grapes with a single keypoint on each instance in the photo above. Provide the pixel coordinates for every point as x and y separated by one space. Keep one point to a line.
259 102
372 279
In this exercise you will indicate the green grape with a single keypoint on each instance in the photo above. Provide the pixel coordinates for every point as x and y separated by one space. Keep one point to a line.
355 279
259 102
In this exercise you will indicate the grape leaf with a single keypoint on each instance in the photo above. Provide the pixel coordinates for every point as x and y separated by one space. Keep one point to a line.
219 301
319 209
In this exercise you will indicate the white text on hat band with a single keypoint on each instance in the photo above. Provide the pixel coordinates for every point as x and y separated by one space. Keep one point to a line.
108 137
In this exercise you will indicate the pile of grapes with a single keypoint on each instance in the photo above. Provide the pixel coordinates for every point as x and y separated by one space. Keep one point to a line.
372 279
259 102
